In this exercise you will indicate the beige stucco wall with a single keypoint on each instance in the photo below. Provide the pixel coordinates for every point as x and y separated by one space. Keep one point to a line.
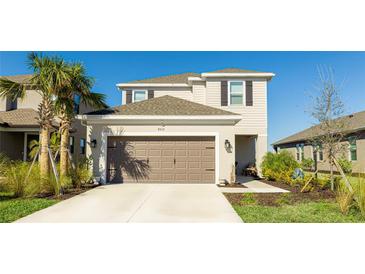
225 159
2 104
357 166
31 100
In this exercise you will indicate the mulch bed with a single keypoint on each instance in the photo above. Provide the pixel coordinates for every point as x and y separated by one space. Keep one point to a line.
278 199
69 193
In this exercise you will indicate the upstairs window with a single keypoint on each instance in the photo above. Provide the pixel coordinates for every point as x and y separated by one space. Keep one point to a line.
77 104
353 149
235 93
139 95
82 146
72 145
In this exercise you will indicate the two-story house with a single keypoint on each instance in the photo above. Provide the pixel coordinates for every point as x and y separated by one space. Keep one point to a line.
19 124
185 128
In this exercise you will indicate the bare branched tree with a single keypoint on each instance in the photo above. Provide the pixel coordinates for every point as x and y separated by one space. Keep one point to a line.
326 110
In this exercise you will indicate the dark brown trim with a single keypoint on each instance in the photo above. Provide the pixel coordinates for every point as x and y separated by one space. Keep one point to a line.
249 93
151 94
224 93
128 96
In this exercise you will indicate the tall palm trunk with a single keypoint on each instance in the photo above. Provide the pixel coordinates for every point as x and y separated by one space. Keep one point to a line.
65 137
45 117
44 160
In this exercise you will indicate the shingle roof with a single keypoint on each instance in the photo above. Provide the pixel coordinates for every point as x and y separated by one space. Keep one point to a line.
353 122
164 105
183 77
18 78
24 117
234 70
175 79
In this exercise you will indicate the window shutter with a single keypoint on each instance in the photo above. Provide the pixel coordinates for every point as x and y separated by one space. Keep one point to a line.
151 94
249 94
128 97
224 93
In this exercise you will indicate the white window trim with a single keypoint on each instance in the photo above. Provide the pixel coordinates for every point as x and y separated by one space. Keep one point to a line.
318 152
349 152
145 94
243 93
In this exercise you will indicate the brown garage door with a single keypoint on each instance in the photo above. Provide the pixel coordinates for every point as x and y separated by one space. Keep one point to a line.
161 159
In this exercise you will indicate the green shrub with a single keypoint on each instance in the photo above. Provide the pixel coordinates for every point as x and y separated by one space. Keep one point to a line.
21 182
344 198
359 194
81 174
279 166
346 165
308 163
4 162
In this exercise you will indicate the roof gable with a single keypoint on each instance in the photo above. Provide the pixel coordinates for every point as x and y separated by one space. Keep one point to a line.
353 122
21 78
169 79
164 105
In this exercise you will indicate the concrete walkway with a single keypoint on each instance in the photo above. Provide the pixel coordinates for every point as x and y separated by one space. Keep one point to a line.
252 186
142 203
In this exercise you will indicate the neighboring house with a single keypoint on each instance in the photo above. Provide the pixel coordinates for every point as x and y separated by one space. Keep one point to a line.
354 144
185 128
19 124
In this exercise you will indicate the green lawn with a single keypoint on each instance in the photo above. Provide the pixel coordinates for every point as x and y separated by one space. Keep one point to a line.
306 212
13 209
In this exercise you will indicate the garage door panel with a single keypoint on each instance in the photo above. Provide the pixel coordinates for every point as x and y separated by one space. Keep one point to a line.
180 145
141 153
170 159
154 152
206 165
208 152
181 152
194 153
181 165
168 152
168 177
181 177
167 165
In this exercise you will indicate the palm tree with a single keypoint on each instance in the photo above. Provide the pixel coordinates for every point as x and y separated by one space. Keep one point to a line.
50 74
54 145
80 85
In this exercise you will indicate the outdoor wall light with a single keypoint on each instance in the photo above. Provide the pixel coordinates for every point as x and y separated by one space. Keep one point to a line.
93 143
227 144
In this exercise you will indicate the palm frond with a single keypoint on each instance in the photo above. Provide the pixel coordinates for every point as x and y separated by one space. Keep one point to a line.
94 99
11 89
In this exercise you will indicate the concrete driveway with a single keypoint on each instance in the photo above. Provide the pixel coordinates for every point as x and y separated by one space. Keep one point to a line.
142 203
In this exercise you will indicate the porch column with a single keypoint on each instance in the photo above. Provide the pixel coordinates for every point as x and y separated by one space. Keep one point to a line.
25 146
261 149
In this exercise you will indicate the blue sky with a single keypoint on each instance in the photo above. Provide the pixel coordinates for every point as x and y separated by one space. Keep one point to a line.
288 96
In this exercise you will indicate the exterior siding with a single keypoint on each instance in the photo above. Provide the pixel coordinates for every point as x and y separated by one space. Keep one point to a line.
31 100
254 117
180 93
199 91
357 166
